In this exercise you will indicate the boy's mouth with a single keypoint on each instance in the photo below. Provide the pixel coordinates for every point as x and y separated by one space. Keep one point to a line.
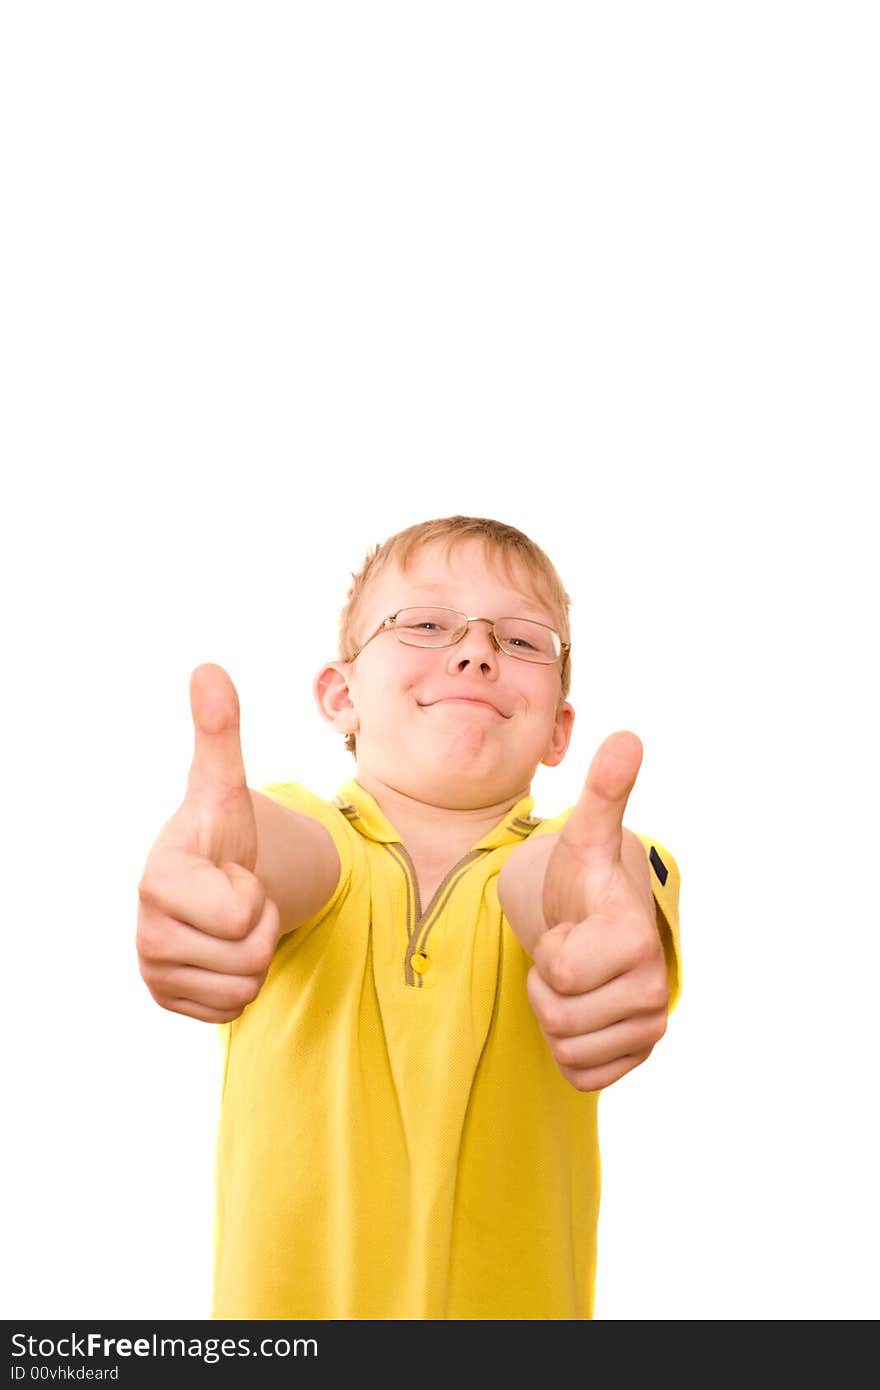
471 700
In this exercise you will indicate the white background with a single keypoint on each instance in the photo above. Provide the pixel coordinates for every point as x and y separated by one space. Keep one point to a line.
279 280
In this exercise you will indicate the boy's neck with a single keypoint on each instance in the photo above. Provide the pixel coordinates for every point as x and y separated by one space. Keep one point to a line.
430 831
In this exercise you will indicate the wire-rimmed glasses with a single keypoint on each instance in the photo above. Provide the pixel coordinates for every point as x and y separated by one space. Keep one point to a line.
443 627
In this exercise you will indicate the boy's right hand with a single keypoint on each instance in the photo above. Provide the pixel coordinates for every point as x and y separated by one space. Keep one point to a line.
206 931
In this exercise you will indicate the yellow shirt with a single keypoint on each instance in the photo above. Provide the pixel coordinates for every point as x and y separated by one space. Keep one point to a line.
395 1140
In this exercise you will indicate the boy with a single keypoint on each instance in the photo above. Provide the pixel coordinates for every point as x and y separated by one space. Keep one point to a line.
421 987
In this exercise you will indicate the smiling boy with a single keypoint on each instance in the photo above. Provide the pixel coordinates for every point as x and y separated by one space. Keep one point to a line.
421 986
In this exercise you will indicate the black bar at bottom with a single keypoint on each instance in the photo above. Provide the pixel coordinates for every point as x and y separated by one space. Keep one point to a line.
194 1353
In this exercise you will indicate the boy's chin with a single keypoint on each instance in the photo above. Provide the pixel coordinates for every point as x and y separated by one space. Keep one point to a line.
459 783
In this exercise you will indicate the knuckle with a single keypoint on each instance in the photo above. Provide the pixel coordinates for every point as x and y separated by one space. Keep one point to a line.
148 977
271 921
657 995
157 978
643 946
660 1024
580 1080
149 938
560 974
258 956
562 1053
552 1018
247 988
147 890
240 916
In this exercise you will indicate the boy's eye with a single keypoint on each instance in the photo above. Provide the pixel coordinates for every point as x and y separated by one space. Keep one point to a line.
426 622
426 626
520 635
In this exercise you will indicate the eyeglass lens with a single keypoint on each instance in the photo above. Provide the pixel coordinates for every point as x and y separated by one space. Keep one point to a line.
441 627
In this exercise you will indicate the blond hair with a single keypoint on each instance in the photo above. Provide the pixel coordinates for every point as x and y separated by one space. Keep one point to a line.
508 544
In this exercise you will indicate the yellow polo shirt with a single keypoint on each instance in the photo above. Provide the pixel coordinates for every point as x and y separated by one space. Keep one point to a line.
395 1140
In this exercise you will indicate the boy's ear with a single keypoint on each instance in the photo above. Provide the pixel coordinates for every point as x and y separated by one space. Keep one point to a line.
330 688
561 736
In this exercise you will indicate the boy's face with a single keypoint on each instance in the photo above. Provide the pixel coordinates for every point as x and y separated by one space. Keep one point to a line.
461 726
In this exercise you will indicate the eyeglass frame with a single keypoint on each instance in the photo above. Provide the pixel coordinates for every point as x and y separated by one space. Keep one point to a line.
387 625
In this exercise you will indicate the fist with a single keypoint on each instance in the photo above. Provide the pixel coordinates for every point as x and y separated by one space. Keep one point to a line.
598 986
206 930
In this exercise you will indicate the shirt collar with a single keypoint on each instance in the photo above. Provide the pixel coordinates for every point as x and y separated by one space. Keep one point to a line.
362 811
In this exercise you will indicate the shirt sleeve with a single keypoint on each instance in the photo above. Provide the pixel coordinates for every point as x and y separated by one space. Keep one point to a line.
665 885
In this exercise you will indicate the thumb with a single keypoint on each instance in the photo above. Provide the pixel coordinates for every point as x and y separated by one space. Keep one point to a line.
217 768
595 826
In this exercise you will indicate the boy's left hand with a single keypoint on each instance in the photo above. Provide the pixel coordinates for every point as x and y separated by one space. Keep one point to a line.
598 986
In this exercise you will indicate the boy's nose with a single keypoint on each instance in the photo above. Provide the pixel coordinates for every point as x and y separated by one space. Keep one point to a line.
477 644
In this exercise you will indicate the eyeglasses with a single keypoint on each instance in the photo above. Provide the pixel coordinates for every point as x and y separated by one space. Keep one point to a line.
443 627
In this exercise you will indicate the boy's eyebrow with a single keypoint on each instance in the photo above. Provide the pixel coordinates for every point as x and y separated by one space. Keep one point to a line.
529 599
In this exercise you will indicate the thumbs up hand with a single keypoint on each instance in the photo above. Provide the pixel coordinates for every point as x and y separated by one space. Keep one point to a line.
206 930
598 986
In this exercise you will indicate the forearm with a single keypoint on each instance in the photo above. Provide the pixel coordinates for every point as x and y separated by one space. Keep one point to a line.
521 889
297 861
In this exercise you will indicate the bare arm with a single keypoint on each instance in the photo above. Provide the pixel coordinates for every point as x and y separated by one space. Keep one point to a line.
521 889
297 861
